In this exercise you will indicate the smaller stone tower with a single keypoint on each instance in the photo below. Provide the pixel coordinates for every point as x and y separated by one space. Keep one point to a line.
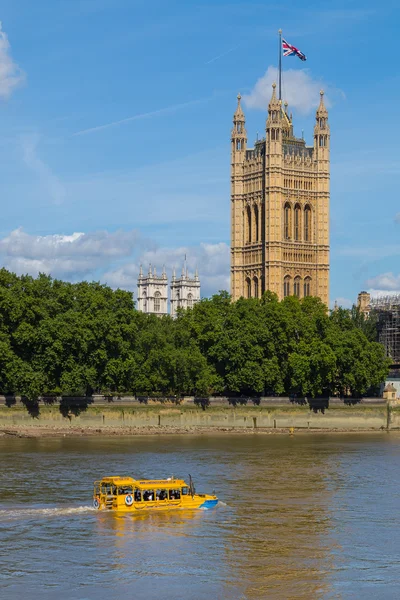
152 296
185 291
364 303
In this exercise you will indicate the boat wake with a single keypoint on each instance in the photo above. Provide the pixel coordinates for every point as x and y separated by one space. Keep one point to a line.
23 513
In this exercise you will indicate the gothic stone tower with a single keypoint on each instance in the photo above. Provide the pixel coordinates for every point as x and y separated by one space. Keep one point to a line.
185 291
152 295
280 208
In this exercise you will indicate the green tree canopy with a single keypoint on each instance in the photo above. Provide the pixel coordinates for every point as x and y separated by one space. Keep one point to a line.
84 338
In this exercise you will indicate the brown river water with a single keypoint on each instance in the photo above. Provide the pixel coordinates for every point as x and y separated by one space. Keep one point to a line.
307 516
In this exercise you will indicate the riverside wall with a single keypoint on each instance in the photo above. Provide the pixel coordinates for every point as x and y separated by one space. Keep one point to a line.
189 414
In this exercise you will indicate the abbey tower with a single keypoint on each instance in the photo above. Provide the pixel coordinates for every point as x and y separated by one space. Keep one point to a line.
280 207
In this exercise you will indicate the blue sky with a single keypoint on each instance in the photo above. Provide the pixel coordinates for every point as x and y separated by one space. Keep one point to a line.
115 123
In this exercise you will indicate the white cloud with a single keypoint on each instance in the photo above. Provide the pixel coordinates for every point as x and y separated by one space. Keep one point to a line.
299 89
385 282
65 255
50 181
11 75
98 255
211 260
343 302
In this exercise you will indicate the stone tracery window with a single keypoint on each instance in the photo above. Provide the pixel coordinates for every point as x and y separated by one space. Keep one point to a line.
190 300
286 286
296 287
248 210
256 224
157 302
297 213
255 285
248 286
307 224
287 214
307 287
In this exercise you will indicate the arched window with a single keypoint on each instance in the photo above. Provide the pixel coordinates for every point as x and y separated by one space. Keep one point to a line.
239 128
307 287
307 224
287 221
248 286
190 300
297 212
257 234
255 286
248 210
157 302
296 287
238 145
286 286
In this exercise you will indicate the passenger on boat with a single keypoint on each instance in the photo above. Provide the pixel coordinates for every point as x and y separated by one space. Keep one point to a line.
138 496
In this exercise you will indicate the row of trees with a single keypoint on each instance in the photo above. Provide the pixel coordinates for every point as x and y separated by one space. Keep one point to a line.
59 338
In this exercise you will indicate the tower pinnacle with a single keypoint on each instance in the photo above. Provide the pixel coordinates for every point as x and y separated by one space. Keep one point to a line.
239 114
321 110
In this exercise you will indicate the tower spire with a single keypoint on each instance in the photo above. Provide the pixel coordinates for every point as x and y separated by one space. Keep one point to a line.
239 114
239 135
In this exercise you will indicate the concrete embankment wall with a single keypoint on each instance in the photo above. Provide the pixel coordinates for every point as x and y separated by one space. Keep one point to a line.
270 413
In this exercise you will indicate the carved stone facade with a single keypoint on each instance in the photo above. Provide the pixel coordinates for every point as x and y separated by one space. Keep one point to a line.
280 208
185 291
152 295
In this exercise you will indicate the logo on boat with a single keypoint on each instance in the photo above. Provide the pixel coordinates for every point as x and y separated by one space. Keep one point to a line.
129 500
96 503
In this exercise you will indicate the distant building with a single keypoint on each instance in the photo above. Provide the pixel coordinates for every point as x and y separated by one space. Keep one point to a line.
386 309
152 296
185 291
364 303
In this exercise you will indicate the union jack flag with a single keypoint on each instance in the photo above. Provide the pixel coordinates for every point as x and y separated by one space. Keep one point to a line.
289 50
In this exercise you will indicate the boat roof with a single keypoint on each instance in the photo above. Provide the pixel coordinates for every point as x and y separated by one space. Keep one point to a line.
144 483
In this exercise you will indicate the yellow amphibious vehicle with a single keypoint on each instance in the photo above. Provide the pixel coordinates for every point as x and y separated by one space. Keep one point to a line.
134 496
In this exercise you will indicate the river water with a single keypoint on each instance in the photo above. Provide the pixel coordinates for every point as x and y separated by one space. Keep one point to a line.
307 516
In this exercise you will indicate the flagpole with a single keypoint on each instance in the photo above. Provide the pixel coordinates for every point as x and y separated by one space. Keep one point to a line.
280 64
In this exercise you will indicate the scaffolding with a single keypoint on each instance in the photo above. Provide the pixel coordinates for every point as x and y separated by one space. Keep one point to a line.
387 310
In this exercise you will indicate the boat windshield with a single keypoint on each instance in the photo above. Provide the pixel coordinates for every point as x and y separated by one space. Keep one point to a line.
125 489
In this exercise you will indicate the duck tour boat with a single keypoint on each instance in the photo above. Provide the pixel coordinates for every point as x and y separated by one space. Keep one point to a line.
130 495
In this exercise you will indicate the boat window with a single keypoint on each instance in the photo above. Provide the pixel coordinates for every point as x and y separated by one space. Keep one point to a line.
174 494
161 494
148 495
185 491
127 489
138 496
108 489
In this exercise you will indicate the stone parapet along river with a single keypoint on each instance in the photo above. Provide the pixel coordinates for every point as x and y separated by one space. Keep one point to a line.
188 416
